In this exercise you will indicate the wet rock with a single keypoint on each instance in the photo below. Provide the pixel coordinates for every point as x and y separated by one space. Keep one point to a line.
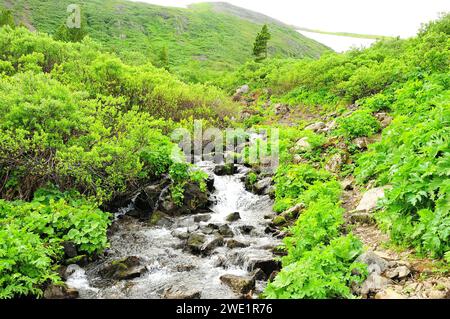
226 169
60 292
70 249
370 199
182 293
209 247
316 126
225 231
239 284
389 294
375 263
233 217
233 244
209 229
258 275
210 183
246 229
146 201
302 145
279 221
181 234
195 243
185 268
160 219
194 201
361 143
124 269
202 218
281 109
268 266
261 187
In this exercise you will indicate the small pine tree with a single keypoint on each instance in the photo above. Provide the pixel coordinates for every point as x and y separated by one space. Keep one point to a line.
6 18
260 46
164 58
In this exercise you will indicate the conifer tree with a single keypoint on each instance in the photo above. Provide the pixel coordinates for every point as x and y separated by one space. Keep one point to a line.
260 46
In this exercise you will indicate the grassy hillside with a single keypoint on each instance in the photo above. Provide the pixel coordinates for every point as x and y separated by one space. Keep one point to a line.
214 37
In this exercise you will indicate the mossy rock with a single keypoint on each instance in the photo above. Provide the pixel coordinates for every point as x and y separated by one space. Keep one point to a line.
279 221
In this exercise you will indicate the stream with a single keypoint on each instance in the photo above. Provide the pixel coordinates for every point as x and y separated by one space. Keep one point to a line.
169 265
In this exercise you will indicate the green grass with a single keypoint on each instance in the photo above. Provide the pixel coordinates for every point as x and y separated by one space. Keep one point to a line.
202 40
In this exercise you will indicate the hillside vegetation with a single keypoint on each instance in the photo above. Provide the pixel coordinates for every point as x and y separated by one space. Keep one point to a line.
202 41
407 79
80 128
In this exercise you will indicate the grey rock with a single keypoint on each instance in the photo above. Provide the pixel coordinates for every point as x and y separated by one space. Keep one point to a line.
233 244
124 269
316 126
181 293
375 263
370 199
239 284
233 217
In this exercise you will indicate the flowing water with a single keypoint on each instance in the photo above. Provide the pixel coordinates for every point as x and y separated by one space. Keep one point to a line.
169 266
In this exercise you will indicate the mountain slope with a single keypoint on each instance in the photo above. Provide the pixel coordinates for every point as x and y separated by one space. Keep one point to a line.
215 37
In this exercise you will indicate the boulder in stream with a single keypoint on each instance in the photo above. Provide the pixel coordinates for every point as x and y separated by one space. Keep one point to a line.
233 217
268 266
225 169
124 269
60 292
239 284
195 243
181 293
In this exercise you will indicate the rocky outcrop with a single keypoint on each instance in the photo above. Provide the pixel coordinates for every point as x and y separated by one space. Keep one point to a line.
194 201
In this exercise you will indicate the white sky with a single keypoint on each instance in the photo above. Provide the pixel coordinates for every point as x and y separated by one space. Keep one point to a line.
383 17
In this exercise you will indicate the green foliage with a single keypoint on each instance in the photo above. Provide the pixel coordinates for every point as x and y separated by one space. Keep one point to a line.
66 34
325 272
358 124
32 234
260 45
6 18
292 180
205 40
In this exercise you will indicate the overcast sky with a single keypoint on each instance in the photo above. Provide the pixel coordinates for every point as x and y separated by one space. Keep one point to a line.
383 17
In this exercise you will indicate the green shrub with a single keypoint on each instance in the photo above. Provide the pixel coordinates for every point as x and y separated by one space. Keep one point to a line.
358 124
325 272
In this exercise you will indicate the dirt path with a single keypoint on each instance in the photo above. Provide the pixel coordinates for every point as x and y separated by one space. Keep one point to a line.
404 276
